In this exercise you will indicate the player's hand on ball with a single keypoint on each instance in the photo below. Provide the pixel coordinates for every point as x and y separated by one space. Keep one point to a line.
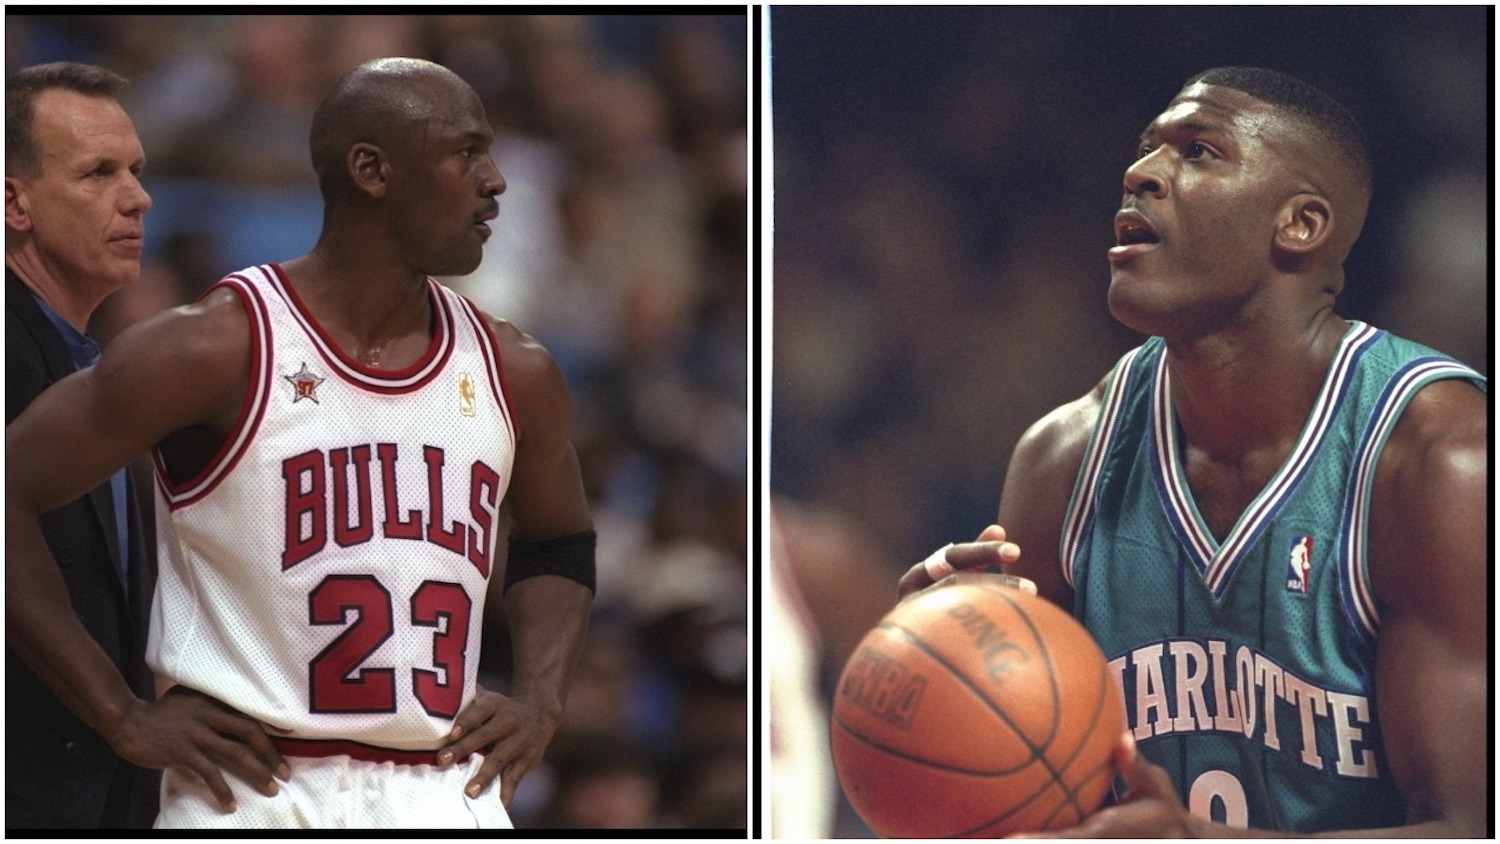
990 549
513 731
189 730
1149 809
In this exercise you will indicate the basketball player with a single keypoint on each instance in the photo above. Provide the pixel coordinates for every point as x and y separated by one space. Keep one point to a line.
340 442
1172 508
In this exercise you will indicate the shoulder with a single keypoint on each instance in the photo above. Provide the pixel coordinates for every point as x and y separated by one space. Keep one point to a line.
1442 439
1057 441
1038 486
533 378
1428 506
194 358
212 331
525 359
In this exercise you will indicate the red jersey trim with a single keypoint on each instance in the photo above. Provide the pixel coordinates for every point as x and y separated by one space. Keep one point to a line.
489 347
252 410
385 381
321 748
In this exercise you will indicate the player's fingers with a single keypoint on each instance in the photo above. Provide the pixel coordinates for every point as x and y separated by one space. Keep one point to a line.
989 578
480 738
915 579
992 533
259 744
480 711
508 784
214 779
959 557
1143 780
484 776
966 556
515 771
244 742
228 752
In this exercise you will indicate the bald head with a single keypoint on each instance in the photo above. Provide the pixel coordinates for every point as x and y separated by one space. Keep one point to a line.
386 102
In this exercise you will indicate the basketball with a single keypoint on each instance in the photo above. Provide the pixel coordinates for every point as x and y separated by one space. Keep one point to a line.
975 710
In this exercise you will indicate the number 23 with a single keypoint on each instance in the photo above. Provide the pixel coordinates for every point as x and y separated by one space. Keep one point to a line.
332 682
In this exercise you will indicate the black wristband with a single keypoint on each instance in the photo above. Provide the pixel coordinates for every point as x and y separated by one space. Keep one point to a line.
569 556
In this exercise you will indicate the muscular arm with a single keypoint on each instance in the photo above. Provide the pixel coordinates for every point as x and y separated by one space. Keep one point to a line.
1428 566
182 369
548 614
1038 486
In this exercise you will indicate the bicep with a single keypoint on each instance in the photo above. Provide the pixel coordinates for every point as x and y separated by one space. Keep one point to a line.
1038 487
66 442
85 427
546 498
1429 567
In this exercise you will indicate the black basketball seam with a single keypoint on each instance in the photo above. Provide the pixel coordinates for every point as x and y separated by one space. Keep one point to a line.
956 769
1071 794
839 722
1036 748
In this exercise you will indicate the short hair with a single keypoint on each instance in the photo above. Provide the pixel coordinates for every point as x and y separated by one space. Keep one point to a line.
22 158
1306 101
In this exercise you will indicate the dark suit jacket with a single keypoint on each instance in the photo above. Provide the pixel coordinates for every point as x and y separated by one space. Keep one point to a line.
59 772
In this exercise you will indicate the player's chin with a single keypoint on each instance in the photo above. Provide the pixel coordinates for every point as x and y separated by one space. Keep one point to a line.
1136 303
460 260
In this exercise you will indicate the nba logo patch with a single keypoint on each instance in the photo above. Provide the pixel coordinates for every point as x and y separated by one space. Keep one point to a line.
466 395
1299 567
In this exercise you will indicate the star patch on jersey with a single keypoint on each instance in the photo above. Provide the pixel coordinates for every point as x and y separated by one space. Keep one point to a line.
305 384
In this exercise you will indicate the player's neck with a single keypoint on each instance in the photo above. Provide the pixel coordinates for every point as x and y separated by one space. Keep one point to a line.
1244 391
368 306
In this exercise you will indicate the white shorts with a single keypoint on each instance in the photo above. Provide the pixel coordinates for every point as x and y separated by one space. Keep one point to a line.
339 792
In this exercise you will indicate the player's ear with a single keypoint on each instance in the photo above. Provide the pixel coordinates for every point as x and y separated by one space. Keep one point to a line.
17 208
1304 224
369 168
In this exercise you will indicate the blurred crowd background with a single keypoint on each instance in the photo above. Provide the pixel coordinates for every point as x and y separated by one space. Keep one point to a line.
945 182
621 245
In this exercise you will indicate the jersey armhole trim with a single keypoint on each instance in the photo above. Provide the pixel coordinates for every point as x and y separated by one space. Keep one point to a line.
1360 603
252 410
1080 514
489 347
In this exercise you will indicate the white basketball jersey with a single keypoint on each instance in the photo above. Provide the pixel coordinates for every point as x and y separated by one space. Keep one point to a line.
326 574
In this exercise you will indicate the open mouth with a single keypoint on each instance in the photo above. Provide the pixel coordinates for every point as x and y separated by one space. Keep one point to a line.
1131 229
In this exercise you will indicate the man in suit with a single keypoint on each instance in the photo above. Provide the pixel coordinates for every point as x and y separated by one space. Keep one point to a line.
74 207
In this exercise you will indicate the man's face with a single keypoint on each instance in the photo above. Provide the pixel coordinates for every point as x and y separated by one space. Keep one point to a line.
447 194
1195 231
84 208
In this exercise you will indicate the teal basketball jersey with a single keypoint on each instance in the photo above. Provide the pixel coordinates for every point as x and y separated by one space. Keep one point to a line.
1247 664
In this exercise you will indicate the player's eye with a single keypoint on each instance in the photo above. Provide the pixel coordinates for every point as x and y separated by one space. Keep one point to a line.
1143 152
1196 149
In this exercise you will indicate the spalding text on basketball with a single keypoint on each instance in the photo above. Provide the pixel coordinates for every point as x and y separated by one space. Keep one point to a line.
999 652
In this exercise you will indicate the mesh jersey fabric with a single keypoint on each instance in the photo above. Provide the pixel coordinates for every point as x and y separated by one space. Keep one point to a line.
326 574
1247 663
